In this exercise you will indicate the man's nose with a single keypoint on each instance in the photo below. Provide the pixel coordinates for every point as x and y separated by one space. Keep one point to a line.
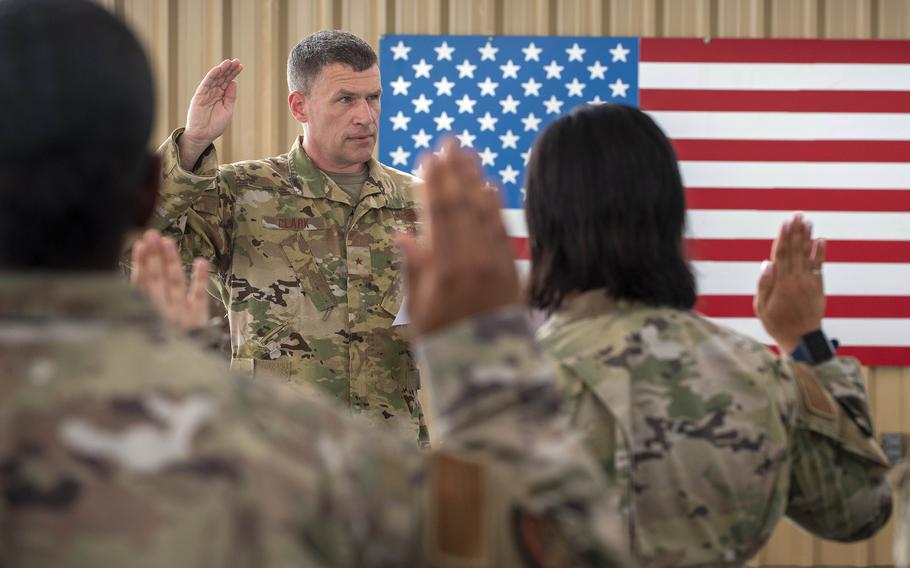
364 113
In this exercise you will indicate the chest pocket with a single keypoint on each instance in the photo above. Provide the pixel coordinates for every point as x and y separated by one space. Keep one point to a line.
313 252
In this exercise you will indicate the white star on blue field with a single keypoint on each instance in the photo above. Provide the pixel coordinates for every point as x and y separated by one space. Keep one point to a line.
494 94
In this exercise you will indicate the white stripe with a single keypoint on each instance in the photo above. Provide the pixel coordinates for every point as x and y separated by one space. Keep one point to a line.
783 125
817 175
885 332
831 225
775 76
514 220
841 278
743 224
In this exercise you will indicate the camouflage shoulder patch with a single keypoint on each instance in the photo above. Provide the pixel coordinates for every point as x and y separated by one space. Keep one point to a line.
814 397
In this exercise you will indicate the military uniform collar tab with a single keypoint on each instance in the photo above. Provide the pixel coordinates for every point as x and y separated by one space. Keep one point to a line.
312 181
71 296
379 177
304 174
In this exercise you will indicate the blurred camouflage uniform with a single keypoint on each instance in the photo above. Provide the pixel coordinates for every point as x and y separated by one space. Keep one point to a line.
122 444
311 282
716 438
902 527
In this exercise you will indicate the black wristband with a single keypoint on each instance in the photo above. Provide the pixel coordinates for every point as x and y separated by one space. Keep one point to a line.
814 348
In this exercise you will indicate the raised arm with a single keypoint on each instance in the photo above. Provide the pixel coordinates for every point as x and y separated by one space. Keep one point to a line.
210 112
510 481
195 203
838 487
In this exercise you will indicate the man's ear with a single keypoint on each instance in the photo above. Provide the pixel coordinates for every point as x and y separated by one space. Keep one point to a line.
297 104
148 192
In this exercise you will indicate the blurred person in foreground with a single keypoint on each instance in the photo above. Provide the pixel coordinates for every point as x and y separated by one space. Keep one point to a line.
121 444
712 437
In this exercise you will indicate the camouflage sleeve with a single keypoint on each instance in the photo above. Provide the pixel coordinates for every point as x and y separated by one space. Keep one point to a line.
195 208
902 527
838 487
497 407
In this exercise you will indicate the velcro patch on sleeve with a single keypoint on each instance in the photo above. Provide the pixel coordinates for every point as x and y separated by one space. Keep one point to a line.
814 396
460 512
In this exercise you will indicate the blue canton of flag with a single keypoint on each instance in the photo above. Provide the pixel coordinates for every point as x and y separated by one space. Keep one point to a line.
494 94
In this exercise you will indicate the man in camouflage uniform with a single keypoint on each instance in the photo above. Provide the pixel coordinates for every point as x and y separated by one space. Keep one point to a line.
121 444
302 243
709 436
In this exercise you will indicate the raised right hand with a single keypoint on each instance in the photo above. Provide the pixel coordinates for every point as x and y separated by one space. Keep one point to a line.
158 273
790 300
461 265
211 109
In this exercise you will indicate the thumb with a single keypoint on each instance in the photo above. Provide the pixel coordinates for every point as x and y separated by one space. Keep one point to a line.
765 284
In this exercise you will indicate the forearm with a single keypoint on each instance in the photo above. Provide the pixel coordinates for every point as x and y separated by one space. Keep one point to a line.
192 205
181 187
496 401
839 488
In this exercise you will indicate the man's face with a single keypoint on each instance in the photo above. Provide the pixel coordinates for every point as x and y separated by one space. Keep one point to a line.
342 117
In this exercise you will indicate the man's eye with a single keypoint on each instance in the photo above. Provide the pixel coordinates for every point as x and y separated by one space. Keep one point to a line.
345 99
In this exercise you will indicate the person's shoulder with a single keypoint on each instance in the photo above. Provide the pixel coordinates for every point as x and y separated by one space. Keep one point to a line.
156 441
401 181
273 172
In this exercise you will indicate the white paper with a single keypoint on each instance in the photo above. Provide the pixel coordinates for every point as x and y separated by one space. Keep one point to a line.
402 317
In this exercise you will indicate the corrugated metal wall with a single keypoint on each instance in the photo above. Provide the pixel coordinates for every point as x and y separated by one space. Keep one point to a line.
186 37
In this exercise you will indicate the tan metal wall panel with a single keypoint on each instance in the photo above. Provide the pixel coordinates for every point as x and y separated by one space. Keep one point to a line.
185 38
794 18
527 17
892 19
474 17
741 18
634 17
686 18
581 17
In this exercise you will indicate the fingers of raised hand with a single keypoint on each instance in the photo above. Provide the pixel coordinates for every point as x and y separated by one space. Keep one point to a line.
174 277
781 250
219 78
197 302
802 243
818 256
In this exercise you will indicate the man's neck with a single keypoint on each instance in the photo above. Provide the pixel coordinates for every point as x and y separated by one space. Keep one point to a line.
326 165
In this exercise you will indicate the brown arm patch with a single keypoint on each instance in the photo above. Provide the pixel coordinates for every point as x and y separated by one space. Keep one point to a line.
459 508
814 396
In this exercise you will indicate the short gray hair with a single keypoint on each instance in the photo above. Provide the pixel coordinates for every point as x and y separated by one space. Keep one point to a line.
322 48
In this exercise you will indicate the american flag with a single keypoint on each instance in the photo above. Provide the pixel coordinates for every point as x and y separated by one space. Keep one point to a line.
761 128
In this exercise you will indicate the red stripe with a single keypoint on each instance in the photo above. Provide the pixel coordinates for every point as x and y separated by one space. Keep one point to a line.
836 307
799 199
775 51
835 251
793 150
522 248
774 101
878 356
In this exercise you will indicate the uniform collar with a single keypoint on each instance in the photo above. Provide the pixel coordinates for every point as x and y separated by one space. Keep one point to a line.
313 182
73 296
588 304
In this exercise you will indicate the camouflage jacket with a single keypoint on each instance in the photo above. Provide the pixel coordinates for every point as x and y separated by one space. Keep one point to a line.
902 527
122 444
310 299
713 437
